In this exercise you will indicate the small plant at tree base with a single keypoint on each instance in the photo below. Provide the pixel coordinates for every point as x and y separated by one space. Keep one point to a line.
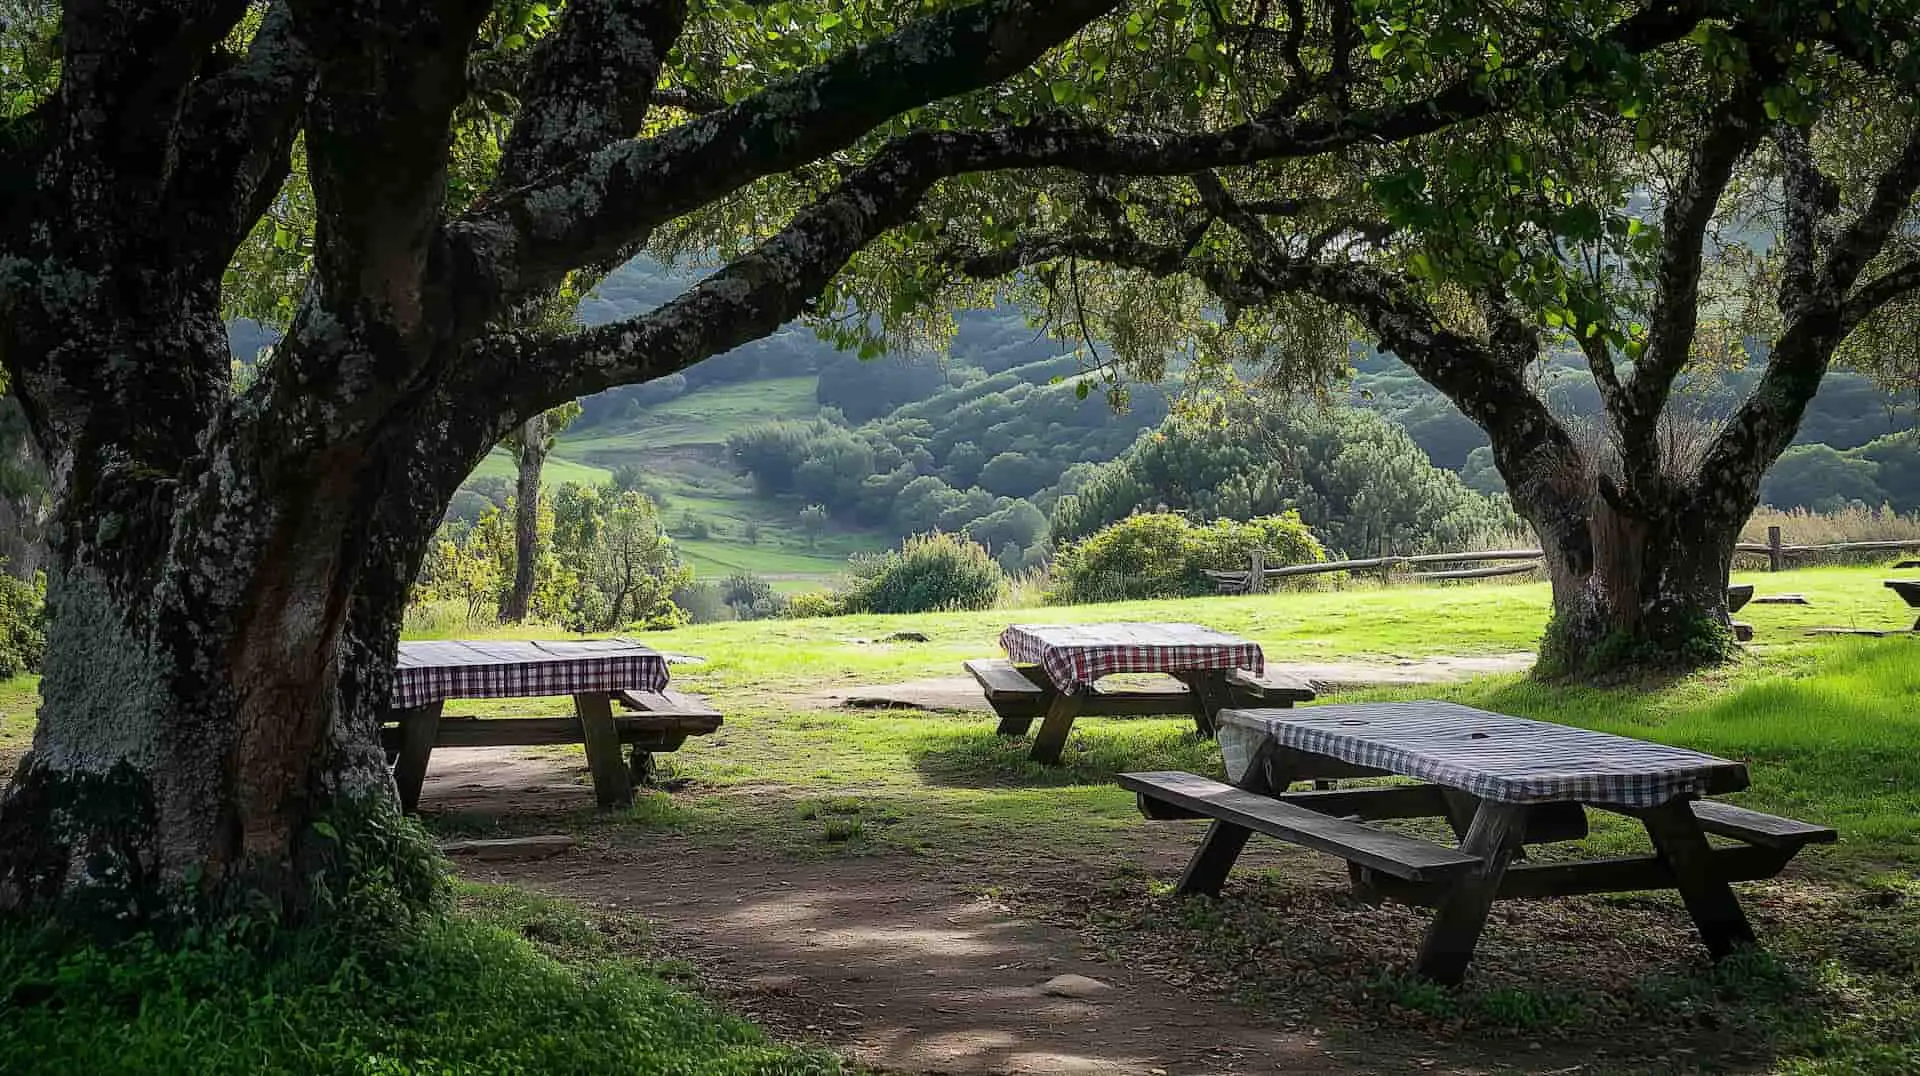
928 573
23 635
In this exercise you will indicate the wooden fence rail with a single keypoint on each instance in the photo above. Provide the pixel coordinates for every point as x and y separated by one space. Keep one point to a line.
1258 574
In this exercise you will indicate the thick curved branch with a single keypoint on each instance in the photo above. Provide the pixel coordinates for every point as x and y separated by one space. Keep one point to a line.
1764 425
1809 198
621 193
236 139
592 82
1731 133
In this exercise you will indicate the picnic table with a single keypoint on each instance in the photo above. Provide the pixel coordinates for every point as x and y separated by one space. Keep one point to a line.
1053 671
596 673
1500 782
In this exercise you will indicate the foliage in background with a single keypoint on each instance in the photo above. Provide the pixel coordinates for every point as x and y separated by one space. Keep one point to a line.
1161 555
1357 480
605 562
23 634
928 573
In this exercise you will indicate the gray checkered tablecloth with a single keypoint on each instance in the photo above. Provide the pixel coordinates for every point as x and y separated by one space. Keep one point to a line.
1075 655
1493 756
430 672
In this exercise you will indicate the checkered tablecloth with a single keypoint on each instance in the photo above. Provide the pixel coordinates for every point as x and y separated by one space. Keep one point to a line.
1493 756
430 672
1075 655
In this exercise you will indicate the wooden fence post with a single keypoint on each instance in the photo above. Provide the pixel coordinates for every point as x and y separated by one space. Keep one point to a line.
1257 572
1775 558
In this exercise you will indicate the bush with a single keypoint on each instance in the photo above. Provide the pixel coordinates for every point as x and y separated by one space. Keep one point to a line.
23 617
928 573
814 603
750 597
1160 555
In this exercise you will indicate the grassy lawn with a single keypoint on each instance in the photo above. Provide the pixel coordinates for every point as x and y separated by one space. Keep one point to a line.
702 417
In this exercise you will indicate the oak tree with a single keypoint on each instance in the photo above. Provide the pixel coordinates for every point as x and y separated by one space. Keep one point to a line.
1747 195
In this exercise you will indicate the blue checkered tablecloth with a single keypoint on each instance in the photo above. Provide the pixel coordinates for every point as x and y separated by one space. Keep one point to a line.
1493 756
433 671
1075 655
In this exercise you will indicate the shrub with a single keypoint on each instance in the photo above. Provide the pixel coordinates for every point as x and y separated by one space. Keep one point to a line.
928 573
750 597
1160 555
23 636
814 603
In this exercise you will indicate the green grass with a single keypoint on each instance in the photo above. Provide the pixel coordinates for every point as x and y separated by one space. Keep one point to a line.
515 984
557 472
704 416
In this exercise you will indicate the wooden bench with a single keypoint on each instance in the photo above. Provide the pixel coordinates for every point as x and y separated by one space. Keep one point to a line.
1909 591
1015 696
1237 814
661 722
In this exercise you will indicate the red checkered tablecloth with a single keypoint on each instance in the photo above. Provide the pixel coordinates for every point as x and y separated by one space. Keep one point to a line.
433 671
1075 655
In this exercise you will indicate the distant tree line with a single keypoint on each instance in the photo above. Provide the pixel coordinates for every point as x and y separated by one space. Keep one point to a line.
1359 481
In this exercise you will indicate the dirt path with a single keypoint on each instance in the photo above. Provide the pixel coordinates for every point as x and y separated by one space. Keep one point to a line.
901 962
901 966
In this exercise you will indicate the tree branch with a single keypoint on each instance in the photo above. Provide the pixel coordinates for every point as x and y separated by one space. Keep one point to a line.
1809 197
1878 292
1765 423
523 240
592 82
1732 132
236 137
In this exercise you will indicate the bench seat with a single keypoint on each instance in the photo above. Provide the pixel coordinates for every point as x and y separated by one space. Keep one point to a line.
1765 830
1400 856
1002 681
1269 687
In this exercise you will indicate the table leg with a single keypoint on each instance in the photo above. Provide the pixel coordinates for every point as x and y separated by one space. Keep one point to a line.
419 727
1017 720
1493 836
1682 845
1270 773
1064 707
1210 696
612 784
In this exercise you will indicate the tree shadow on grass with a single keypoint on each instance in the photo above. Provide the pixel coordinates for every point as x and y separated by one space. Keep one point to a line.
1622 979
1097 750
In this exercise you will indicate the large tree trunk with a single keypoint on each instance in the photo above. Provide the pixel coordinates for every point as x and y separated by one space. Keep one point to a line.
532 458
1634 593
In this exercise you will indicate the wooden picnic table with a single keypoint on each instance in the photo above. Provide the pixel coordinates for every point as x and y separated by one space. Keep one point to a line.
595 673
1501 782
1053 671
